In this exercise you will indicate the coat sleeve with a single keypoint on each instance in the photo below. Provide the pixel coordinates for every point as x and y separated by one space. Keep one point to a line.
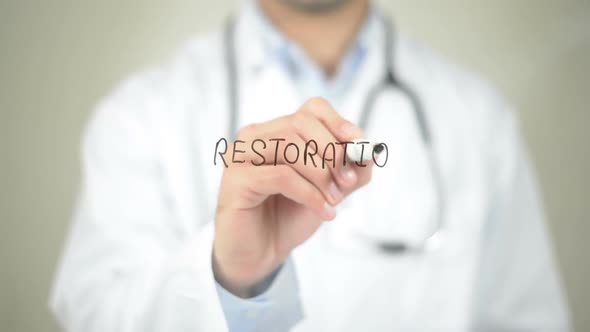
127 264
518 287
278 308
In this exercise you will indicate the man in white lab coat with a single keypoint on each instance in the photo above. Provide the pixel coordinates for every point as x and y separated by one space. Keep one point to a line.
165 239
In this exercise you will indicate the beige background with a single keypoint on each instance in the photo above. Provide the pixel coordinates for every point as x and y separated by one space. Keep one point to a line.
58 57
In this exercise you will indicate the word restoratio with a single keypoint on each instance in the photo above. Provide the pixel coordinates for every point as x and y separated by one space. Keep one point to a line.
353 151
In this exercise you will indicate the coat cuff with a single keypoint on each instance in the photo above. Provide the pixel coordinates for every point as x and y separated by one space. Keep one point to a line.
278 308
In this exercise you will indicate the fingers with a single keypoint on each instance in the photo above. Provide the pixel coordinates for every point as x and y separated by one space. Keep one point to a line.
320 125
265 181
341 128
270 148
364 174
343 131
290 152
307 141
330 152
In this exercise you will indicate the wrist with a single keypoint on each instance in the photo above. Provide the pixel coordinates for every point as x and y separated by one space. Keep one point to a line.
242 280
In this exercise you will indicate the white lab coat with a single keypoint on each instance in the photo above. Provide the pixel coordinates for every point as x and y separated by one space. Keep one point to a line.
139 254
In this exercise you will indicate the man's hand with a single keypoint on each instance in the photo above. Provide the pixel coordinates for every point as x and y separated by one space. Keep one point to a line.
263 212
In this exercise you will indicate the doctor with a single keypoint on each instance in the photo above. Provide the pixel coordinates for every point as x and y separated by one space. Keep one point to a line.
449 236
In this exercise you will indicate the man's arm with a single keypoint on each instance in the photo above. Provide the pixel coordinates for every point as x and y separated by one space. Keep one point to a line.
131 264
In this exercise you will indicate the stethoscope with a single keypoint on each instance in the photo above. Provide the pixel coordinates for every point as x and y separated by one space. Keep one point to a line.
434 237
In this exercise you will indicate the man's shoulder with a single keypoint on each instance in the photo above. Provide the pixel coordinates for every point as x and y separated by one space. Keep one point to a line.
185 73
194 59
158 96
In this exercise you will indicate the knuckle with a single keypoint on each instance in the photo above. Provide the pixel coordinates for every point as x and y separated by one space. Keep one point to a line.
246 131
292 154
316 104
282 174
316 198
322 178
313 195
317 177
325 174
298 120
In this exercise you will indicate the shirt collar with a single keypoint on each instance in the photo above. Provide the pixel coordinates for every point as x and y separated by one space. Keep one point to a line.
270 44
